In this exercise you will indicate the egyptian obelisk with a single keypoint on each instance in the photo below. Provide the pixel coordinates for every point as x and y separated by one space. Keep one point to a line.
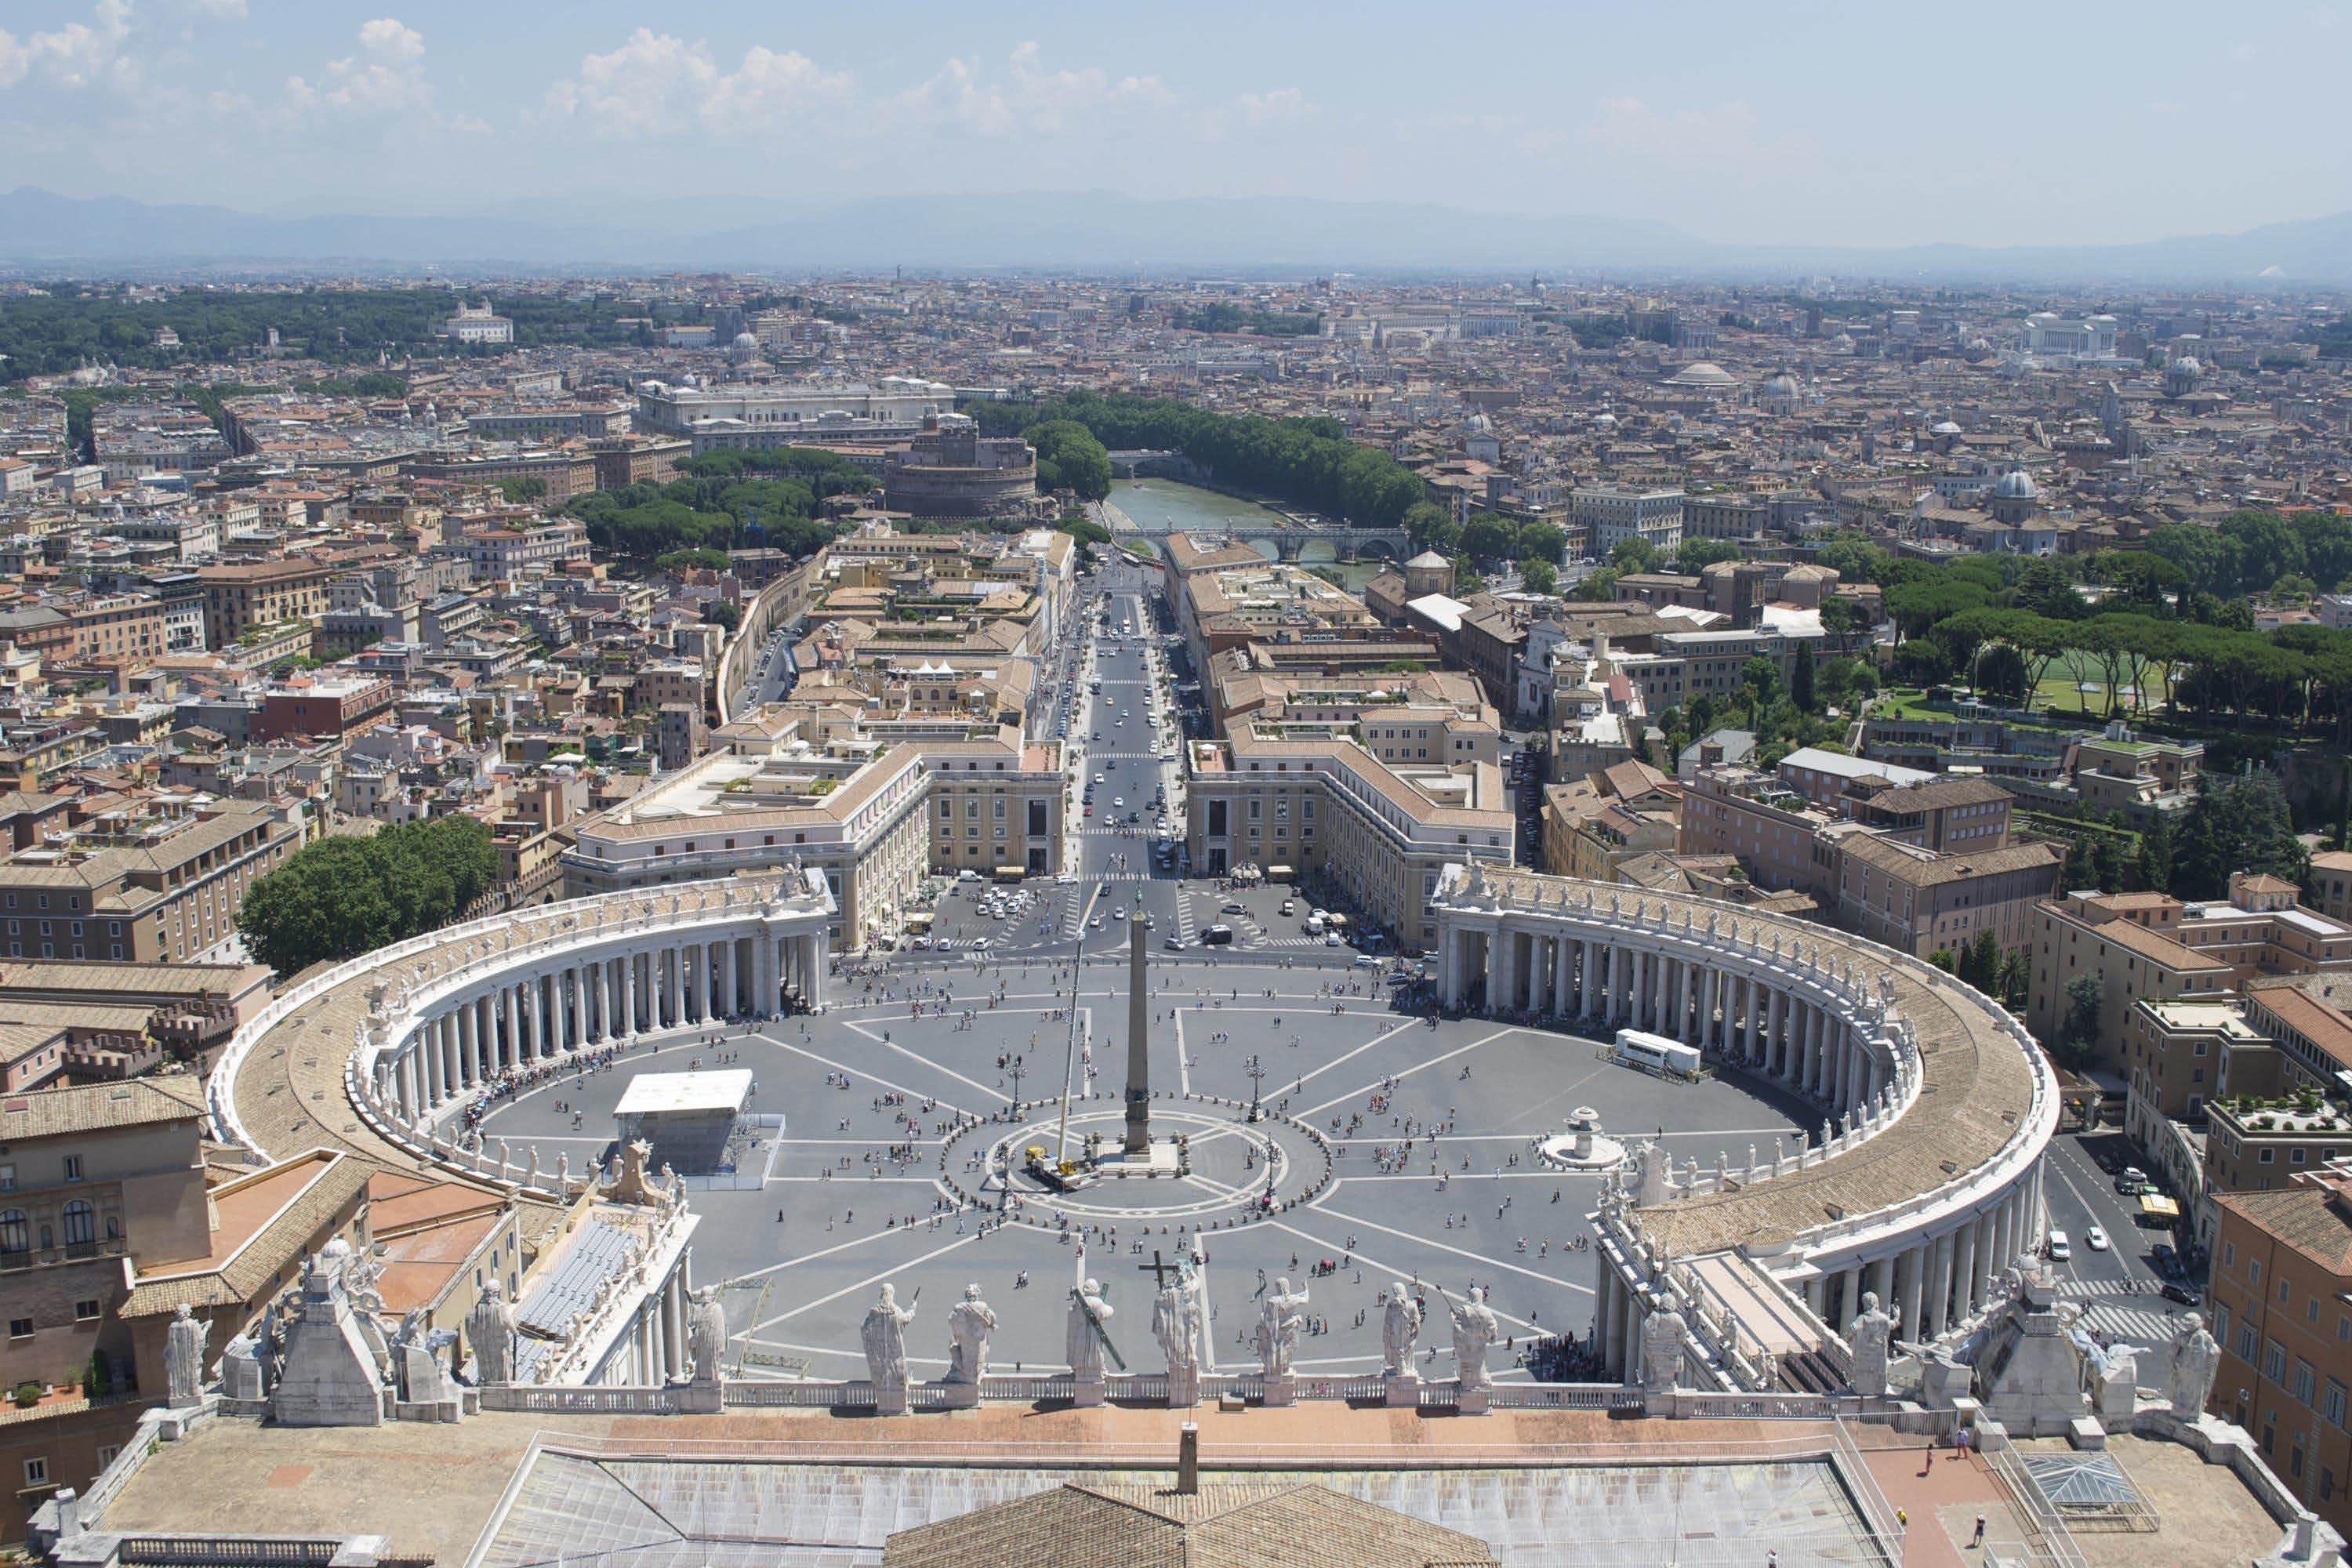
1137 1141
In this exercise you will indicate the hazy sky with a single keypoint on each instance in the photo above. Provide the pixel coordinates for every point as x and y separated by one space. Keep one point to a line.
1864 123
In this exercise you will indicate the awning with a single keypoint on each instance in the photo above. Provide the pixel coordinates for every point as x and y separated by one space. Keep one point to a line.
2153 1206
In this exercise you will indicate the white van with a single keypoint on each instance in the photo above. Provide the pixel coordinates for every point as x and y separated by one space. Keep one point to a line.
2058 1246
1315 923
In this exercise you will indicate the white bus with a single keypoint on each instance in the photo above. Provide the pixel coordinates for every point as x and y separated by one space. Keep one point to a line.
1657 1054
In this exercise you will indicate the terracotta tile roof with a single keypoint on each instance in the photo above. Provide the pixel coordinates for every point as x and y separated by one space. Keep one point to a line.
2300 1217
49 1112
1235 1524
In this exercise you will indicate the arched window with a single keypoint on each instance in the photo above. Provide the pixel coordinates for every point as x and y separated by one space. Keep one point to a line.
81 1224
13 1235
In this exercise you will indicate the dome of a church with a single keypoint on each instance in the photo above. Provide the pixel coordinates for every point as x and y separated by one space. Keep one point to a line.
2016 485
1704 372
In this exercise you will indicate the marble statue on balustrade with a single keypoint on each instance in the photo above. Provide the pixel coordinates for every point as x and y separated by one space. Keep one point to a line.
1401 1320
1663 1334
184 1358
1654 1174
490 1330
970 1322
1476 1328
1869 1335
1083 1333
706 1335
1179 1322
1282 1320
884 1334
2189 1367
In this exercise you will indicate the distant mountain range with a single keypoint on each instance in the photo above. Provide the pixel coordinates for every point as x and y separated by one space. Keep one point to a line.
1094 231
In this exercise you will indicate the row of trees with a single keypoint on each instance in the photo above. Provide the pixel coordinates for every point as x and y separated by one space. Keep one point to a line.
1307 463
1224 316
726 500
48 333
340 897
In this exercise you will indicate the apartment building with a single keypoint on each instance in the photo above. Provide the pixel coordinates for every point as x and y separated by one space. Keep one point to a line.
1315 798
153 879
2151 944
241 597
876 812
1593 825
2281 1298
1610 514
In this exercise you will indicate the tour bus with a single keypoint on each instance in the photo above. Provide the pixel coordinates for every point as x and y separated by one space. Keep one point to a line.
1657 1054
1013 874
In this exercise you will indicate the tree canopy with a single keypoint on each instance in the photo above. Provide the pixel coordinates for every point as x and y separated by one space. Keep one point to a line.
343 897
1070 459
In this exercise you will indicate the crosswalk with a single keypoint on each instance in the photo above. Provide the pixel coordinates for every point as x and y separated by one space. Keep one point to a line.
2138 1325
2147 1320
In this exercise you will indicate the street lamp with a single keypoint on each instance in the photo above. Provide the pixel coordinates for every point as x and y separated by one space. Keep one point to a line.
1013 1067
1257 1071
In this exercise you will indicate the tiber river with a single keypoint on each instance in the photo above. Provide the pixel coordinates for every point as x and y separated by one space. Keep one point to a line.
1164 506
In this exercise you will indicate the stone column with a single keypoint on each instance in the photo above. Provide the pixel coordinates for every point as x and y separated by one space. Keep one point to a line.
469 1062
1915 1267
673 1328
815 943
1609 988
1880 1274
1964 1267
1776 1055
410 1098
1589 978
1939 1287
724 953
535 1015
2004 1235
1563 975
452 1056
629 996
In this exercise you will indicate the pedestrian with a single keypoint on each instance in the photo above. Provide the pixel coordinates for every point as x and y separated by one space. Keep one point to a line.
1978 1539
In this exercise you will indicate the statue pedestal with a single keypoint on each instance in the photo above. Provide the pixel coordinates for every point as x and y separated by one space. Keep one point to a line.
960 1395
1086 1392
1402 1389
1281 1388
697 1398
1183 1387
1475 1401
890 1398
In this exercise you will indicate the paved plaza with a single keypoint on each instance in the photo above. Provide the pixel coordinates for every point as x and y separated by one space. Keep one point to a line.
872 1181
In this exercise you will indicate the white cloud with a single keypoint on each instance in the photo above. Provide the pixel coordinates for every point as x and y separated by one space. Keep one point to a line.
385 76
76 55
1252 112
388 38
1627 127
658 82
1029 98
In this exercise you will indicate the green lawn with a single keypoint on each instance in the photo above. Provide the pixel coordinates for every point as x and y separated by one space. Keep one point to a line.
2059 690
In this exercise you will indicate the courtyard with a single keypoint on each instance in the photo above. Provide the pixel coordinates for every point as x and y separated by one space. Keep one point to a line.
1393 1150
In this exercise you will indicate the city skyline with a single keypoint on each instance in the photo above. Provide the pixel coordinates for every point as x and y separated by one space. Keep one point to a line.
1818 125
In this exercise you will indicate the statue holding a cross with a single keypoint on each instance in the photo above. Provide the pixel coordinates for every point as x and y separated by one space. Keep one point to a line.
1179 1322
